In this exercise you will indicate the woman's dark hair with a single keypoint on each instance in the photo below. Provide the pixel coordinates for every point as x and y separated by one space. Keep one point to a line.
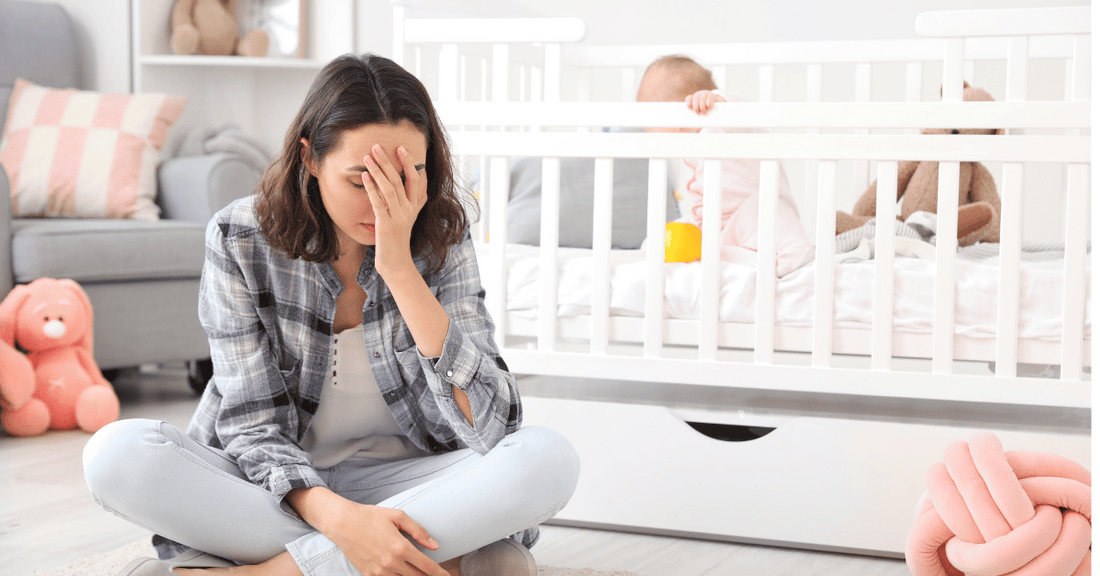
350 92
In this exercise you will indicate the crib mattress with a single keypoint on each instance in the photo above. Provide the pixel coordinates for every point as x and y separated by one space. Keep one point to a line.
1041 292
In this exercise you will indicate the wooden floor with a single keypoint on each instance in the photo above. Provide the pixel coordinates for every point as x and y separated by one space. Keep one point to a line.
48 519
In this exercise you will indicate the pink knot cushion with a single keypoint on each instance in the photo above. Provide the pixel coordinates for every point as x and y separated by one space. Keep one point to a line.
989 512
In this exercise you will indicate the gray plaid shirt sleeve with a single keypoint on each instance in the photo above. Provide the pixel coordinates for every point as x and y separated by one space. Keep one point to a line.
470 360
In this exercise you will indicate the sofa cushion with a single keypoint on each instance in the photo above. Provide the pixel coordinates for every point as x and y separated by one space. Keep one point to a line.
76 153
88 250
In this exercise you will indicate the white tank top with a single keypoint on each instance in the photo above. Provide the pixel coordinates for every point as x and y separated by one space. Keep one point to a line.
353 421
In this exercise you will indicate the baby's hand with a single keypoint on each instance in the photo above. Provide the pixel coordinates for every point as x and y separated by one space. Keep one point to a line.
702 101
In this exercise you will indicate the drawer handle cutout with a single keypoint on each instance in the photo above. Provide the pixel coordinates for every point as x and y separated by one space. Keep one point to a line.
730 432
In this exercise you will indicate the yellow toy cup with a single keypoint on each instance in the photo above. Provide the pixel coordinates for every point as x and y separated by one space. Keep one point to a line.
683 242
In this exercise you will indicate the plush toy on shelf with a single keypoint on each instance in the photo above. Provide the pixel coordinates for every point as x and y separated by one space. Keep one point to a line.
210 27
918 185
52 320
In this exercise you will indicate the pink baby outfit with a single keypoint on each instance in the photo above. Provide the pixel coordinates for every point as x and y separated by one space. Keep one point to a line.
741 207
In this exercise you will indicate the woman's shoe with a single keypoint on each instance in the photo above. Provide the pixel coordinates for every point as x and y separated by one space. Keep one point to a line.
189 559
501 558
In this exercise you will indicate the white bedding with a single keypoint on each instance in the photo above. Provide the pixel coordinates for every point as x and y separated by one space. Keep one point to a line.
976 292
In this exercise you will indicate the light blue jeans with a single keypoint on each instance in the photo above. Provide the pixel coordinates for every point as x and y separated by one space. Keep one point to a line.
152 474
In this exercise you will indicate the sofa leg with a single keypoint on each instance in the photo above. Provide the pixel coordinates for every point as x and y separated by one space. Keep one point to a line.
199 373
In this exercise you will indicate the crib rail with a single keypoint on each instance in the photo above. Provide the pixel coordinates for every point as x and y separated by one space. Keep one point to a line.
829 115
885 147
706 336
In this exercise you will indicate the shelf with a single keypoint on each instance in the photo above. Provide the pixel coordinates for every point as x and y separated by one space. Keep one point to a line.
232 62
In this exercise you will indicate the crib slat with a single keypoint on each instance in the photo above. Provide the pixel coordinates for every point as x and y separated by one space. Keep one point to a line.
914 81
483 198
601 254
953 70
1008 286
943 324
496 289
483 96
1095 178
552 72
863 82
500 72
767 83
882 328
709 282
523 83
548 253
655 259
448 72
1082 68
463 77
914 86
537 91
398 53
584 85
862 168
824 265
813 82
765 264
1073 309
1016 79
810 196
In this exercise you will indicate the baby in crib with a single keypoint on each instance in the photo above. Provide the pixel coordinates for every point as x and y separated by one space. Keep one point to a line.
681 79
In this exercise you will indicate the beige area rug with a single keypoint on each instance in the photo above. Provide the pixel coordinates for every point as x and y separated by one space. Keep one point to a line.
109 564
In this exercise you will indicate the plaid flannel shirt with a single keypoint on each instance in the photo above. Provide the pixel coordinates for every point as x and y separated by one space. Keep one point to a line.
270 321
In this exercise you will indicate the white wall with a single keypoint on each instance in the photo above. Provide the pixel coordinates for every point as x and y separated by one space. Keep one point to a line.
103 35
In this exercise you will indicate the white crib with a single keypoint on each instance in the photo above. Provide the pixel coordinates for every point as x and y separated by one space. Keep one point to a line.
809 429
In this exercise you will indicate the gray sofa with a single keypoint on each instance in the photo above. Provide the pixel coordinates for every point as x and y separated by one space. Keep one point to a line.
142 277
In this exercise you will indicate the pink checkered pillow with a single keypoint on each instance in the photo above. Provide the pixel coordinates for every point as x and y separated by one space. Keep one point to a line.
78 154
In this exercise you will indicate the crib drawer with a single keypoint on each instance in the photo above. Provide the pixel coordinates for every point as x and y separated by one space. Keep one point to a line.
820 483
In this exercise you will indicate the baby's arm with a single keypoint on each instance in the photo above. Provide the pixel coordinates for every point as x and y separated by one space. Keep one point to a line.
702 101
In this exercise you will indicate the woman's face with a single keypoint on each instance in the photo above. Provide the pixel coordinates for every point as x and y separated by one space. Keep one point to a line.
340 176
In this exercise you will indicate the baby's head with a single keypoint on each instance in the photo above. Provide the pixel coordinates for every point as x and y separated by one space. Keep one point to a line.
672 79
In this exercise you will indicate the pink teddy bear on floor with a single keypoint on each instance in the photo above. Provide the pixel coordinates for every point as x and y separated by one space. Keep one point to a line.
58 384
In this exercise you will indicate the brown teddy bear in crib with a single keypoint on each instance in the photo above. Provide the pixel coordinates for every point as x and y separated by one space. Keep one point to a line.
918 184
210 27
